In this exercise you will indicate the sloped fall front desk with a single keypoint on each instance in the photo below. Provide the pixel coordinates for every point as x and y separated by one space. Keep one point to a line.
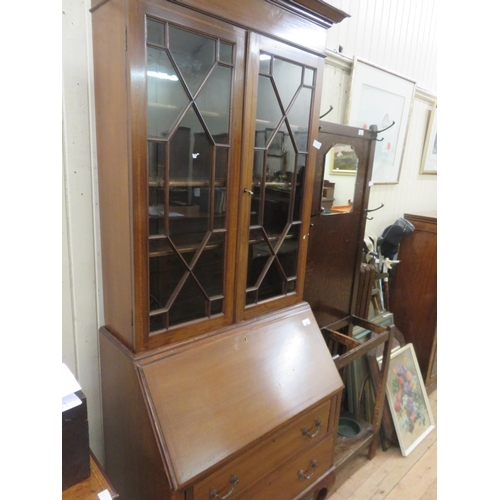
247 412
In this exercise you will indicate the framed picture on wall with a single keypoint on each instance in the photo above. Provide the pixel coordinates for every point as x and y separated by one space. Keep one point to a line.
429 155
408 401
343 160
382 98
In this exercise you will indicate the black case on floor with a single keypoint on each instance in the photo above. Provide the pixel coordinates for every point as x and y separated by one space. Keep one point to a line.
75 444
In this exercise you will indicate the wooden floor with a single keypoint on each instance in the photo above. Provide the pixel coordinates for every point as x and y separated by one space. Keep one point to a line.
391 476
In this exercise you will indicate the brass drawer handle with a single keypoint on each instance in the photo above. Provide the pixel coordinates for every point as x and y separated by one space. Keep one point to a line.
233 481
314 466
307 432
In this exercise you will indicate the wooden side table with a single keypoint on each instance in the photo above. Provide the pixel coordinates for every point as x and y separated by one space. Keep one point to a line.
91 487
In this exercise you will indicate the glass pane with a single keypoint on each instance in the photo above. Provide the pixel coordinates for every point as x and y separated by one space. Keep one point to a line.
258 256
288 78
309 77
298 117
269 112
173 286
189 304
281 168
156 180
216 306
220 203
265 63
299 189
288 253
273 283
156 32
189 225
201 157
210 266
226 53
280 155
221 164
187 173
158 246
258 167
214 101
158 271
194 55
185 293
259 171
166 97
157 322
251 297
180 167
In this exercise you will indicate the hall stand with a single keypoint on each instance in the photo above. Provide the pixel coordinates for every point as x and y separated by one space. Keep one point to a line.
368 437
334 262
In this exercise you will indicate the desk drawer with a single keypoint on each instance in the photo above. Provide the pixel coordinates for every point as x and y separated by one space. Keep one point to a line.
292 478
267 456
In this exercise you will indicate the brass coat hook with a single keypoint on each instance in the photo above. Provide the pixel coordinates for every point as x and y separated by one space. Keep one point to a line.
384 129
373 210
324 114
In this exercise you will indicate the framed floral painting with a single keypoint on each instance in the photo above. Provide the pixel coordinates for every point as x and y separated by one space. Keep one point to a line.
408 401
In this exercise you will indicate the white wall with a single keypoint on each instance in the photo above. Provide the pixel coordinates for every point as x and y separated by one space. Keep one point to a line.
398 35
414 191
81 257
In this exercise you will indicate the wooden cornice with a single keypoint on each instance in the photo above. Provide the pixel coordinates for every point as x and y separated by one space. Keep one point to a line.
316 11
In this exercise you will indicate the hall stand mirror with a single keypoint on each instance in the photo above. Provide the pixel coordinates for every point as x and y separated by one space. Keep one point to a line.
334 261
216 379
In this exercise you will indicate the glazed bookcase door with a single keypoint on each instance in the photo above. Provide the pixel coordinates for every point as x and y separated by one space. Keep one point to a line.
192 170
281 104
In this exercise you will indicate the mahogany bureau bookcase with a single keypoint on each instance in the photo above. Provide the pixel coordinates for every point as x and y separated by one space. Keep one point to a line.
216 380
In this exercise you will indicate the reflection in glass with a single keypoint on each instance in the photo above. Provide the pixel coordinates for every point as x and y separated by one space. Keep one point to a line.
288 253
280 156
226 53
155 32
210 266
166 96
156 183
221 163
299 118
156 321
202 286
309 77
340 170
265 63
189 303
269 113
288 78
194 55
189 101
215 112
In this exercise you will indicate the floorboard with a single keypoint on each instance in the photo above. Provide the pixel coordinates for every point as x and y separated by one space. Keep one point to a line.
391 476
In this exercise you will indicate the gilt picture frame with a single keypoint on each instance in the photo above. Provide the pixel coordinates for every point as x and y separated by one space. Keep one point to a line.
407 397
380 97
429 154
